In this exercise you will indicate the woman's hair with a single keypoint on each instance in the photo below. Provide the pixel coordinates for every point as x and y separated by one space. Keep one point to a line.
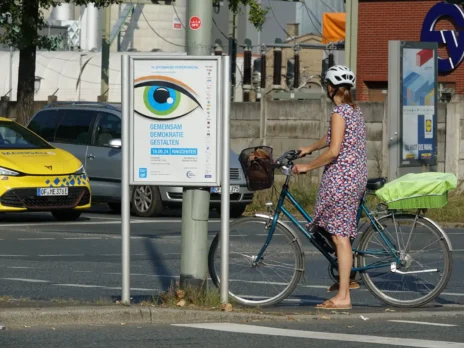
345 94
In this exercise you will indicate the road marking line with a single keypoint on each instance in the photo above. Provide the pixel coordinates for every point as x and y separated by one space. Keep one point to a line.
4 255
82 238
19 267
287 300
267 234
80 285
88 286
420 323
36 238
452 294
61 255
27 224
326 336
27 280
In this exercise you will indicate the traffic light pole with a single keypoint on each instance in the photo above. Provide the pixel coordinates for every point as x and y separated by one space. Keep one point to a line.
195 202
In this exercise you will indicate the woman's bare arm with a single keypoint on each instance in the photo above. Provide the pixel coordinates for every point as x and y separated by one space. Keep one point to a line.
318 145
336 139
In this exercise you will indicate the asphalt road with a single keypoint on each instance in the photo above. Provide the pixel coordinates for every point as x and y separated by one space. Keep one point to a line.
352 333
43 259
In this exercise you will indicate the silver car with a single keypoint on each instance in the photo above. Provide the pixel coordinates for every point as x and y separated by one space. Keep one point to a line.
91 131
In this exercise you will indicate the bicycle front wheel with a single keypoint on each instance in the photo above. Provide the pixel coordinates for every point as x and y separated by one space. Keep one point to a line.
271 279
424 266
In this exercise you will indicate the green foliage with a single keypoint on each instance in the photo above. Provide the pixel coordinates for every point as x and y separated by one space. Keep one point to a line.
22 20
257 14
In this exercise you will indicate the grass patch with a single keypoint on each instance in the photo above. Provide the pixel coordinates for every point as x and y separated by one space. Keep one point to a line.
305 192
189 296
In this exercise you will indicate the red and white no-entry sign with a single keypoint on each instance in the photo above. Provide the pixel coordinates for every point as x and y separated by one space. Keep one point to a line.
195 23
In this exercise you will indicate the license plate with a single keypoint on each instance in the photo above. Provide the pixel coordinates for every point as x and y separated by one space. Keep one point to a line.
233 189
52 191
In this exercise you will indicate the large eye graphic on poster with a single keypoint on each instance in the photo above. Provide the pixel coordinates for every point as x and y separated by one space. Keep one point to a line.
163 98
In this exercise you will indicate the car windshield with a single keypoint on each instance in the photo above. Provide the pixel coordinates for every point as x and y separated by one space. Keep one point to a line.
15 137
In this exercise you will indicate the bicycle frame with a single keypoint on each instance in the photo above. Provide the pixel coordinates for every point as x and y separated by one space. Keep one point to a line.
285 194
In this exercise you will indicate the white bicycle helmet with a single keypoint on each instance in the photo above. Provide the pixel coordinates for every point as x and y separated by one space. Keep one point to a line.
340 75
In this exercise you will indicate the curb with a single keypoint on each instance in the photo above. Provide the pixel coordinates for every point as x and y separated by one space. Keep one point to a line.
110 315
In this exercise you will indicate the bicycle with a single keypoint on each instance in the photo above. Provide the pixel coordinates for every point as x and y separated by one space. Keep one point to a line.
399 261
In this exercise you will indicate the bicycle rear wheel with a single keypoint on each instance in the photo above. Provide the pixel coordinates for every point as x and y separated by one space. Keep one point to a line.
428 264
270 280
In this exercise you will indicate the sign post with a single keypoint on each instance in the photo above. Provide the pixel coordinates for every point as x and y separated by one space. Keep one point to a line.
412 107
176 133
126 102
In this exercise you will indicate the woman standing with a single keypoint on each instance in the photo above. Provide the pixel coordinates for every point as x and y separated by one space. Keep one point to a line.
345 176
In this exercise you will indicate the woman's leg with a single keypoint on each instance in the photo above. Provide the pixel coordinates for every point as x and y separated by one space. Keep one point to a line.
345 262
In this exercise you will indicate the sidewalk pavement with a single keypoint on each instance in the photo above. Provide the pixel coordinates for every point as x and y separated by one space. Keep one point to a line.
56 315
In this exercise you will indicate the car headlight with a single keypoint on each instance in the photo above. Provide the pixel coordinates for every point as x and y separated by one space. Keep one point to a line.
80 171
7 172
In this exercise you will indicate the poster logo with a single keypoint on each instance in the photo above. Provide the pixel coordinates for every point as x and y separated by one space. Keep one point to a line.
163 98
142 173
454 40
190 174
428 126
195 23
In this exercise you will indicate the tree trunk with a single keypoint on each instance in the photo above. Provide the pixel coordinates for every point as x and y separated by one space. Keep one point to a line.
26 79
27 55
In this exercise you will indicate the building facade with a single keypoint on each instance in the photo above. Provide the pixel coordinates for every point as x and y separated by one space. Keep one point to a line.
383 20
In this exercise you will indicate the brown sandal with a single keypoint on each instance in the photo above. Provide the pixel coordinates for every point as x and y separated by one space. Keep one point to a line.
330 305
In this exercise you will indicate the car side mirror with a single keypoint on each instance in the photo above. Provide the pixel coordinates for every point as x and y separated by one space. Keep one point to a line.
115 143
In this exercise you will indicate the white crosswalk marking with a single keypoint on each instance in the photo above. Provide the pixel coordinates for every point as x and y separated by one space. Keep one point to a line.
328 336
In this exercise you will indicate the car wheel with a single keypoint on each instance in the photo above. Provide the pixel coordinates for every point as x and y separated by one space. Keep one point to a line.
146 201
237 211
66 215
115 207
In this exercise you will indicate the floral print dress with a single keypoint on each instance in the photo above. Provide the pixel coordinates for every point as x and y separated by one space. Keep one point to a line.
344 180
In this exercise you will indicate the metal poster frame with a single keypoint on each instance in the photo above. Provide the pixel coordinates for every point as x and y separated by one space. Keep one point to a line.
222 163
219 111
417 163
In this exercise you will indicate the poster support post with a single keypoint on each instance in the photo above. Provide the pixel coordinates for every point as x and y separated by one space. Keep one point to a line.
225 198
125 192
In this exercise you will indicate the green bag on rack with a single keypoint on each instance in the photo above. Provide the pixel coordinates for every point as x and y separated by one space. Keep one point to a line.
418 191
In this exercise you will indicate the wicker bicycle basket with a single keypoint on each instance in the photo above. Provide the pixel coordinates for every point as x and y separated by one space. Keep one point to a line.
255 162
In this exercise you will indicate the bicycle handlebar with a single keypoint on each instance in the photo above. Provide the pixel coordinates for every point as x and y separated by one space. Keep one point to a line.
290 156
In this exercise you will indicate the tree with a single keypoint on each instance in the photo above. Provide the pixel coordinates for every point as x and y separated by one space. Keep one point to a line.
21 22
257 14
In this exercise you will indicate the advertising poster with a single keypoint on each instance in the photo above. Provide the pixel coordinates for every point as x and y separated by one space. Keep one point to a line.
418 107
175 121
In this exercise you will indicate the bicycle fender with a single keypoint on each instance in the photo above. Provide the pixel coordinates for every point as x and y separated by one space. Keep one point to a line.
441 230
264 216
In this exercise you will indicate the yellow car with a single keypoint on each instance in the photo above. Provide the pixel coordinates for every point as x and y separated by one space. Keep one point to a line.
35 176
